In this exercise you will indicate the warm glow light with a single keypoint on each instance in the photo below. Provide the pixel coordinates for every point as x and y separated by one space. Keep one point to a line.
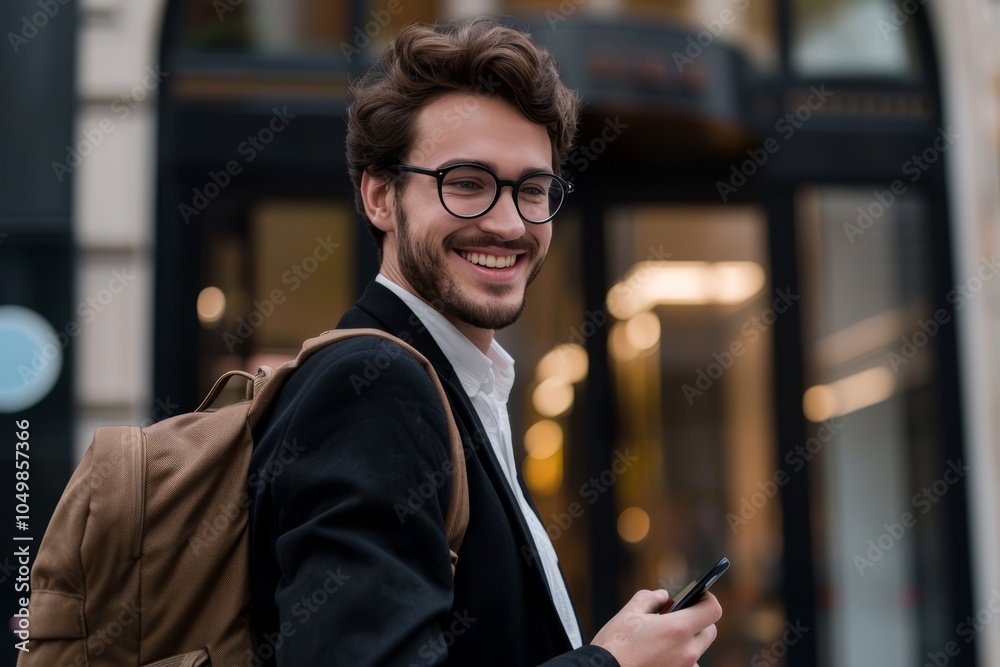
633 524
643 330
619 345
211 305
543 476
649 284
819 403
848 394
543 439
735 282
552 397
567 361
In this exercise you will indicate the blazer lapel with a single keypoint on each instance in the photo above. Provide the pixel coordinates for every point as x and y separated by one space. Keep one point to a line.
389 313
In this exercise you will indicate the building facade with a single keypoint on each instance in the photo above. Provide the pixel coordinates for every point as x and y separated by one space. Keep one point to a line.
765 329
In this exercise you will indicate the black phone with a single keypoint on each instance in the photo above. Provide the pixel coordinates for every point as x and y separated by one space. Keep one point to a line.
693 591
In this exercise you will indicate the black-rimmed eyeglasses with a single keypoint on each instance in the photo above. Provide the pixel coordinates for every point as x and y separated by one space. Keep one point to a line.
468 190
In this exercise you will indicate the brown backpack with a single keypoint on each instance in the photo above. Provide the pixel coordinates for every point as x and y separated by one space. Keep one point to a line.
146 559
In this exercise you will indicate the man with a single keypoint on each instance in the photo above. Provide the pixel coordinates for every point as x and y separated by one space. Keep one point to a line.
454 145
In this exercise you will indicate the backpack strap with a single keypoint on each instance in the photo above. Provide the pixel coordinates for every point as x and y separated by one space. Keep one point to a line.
268 381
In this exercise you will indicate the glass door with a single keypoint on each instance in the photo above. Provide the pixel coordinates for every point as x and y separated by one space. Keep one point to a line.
690 349
883 486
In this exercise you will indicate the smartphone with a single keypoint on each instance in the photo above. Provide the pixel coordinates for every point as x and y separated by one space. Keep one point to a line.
693 591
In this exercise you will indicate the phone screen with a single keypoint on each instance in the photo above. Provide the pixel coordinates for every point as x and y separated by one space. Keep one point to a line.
693 591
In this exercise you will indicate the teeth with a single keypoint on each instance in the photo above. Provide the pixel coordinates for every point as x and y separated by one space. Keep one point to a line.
491 261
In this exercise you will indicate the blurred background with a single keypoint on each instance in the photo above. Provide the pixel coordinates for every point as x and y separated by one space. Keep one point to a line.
765 329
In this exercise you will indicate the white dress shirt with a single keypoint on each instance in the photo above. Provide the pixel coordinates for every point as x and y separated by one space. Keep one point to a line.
487 379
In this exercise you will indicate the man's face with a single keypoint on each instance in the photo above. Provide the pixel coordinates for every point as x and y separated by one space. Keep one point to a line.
443 259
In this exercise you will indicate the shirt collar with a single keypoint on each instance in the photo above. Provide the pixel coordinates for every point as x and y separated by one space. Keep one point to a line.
490 373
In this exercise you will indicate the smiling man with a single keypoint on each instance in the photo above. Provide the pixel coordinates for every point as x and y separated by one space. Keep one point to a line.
454 144
476 260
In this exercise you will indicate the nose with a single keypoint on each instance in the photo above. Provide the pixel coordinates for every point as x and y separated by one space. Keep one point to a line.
503 220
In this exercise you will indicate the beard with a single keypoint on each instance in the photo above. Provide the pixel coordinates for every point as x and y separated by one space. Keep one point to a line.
422 266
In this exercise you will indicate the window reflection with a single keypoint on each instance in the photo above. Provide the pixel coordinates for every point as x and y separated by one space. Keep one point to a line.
285 278
874 431
750 25
299 26
690 351
852 38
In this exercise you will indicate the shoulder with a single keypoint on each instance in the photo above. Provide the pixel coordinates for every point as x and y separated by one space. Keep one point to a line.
365 378
354 393
360 365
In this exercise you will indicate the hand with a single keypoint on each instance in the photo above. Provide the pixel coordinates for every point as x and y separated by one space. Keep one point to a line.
639 636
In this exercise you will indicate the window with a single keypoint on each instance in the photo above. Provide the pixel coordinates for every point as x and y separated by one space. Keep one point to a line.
869 330
852 38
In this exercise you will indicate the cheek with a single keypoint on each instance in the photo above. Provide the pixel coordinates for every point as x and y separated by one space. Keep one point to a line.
423 212
543 237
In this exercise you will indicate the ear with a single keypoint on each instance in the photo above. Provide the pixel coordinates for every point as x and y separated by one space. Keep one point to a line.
378 194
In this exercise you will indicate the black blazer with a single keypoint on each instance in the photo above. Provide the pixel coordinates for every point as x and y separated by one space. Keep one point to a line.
349 557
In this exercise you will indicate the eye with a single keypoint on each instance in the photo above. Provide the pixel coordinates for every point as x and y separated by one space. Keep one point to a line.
465 180
464 184
536 188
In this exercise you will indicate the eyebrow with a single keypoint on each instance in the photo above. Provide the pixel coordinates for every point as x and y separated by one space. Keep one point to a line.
492 166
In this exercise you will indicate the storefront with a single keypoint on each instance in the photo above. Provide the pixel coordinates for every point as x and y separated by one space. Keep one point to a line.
742 343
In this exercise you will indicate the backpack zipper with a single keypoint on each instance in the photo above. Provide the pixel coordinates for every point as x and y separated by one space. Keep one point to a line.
137 451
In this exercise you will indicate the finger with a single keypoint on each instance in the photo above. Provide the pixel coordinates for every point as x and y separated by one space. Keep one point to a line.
704 639
646 602
705 612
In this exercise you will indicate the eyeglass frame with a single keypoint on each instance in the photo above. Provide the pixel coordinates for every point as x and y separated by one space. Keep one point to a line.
439 174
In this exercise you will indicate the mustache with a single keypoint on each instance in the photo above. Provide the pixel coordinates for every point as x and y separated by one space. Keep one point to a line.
488 240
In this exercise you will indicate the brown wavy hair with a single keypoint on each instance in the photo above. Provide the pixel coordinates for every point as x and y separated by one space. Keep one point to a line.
425 62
